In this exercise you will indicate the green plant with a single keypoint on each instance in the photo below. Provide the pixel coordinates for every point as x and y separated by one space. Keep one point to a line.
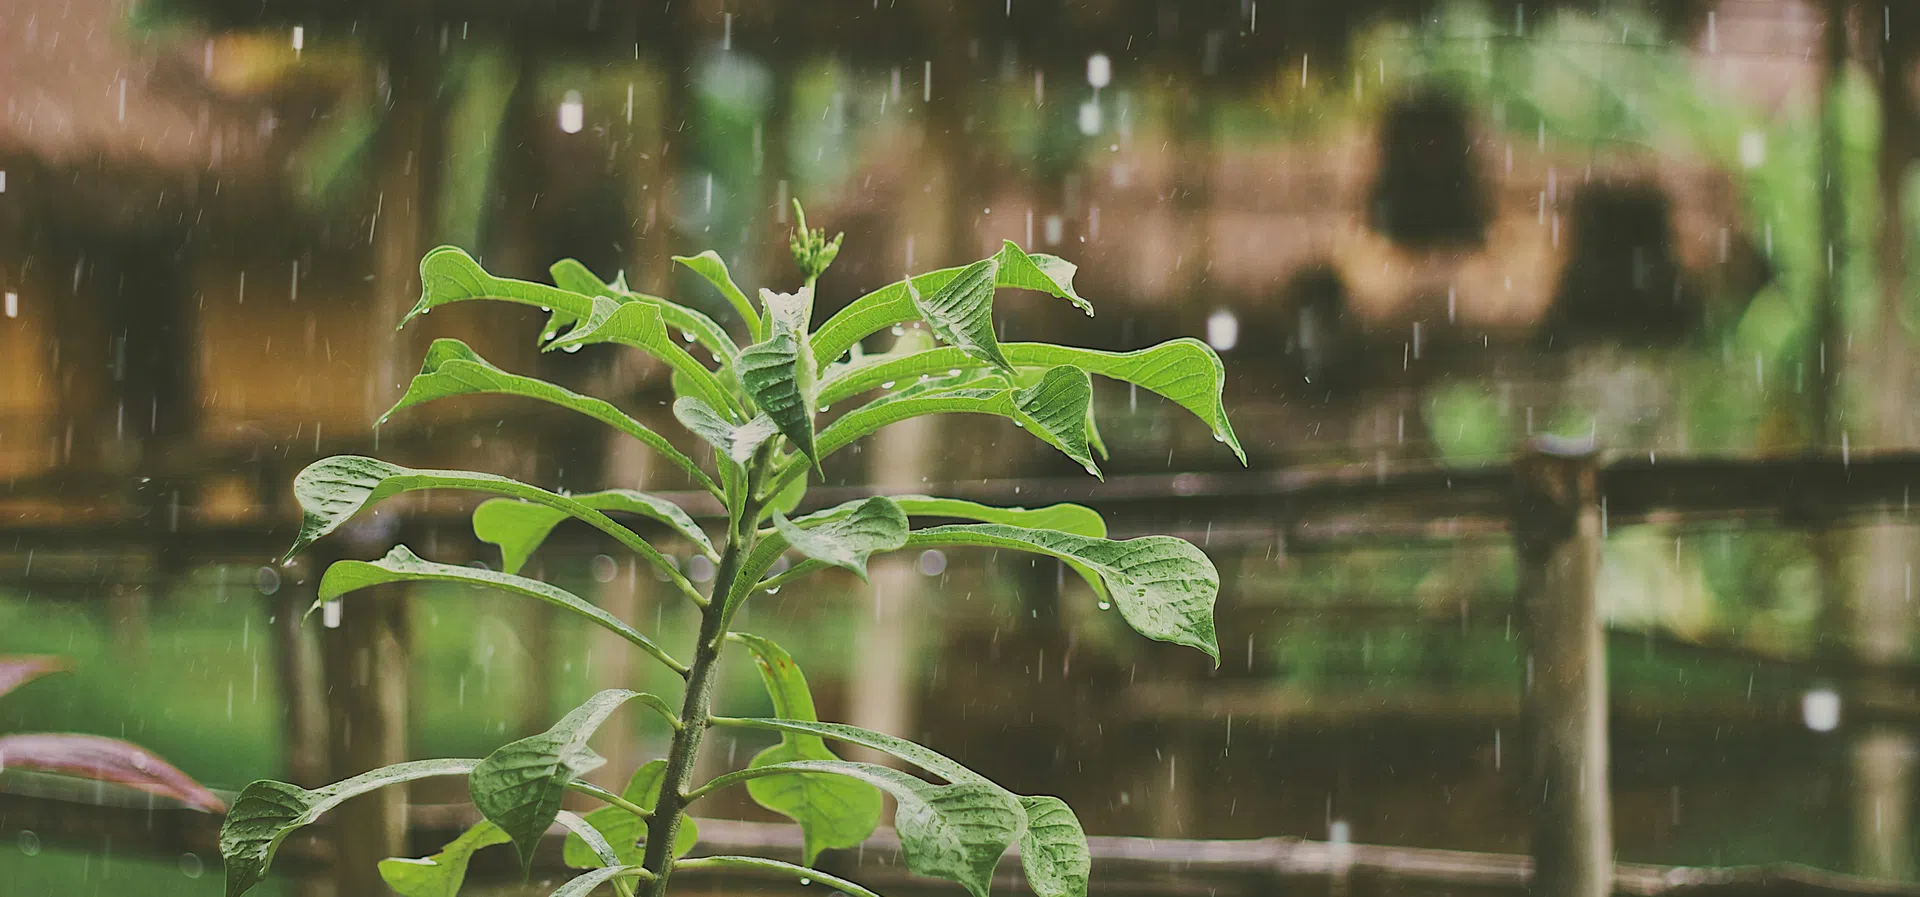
756 407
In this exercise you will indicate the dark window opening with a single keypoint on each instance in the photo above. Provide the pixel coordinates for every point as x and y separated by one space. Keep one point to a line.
1428 193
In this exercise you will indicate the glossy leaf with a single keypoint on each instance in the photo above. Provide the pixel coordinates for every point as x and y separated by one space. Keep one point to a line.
876 524
626 832
1041 272
1164 587
18 670
518 787
710 266
734 443
441 874
448 274
762 864
925 758
585 884
332 490
961 312
640 326
778 372
1185 371
452 369
103 759
1070 518
957 832
1053 849
519 527
1054 409
893 303
692 325
832 811
402 565
266 812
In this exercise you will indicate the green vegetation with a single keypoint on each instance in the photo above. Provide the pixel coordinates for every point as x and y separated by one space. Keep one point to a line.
757 408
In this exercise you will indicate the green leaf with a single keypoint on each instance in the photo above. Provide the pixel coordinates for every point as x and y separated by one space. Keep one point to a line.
1164 587
1185 371
519 527
957 832
448 274
778 372
640 325
1045 273
441 874
1053 849
832 811
710 266
453 369
585 884
332 490
575 276
761 864
266 812
402 565
925 758
1054 409
876 524
893 303
625 831
519 786
733 443
1070 518
961 313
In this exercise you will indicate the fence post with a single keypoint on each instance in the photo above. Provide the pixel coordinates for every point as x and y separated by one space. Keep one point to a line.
1556 526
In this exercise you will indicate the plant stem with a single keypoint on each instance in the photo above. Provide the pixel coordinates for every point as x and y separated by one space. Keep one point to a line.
694 709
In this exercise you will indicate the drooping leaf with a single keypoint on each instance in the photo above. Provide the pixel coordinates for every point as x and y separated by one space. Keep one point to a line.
1054 409
105 759
1053 849
266 812
832 811
453 369
762 864
640 325
402 565
448 274
441 874
686 321
710 266
625 831
332 490
519 786
1164 586
1044 273
778 373
1185 371
961 313
19 670
893 304
519 527
925 758
957 832
876 524
585 884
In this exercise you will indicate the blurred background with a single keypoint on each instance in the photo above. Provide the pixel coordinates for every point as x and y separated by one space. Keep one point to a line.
1418 232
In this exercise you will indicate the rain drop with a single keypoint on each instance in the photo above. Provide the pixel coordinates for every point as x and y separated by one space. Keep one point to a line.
932 562
887 385
899 330
267 580
192 866
1105 604
29 843
572 112
570 348
604 568
699 569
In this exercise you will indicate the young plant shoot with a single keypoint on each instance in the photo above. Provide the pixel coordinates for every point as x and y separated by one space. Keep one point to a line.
759 407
